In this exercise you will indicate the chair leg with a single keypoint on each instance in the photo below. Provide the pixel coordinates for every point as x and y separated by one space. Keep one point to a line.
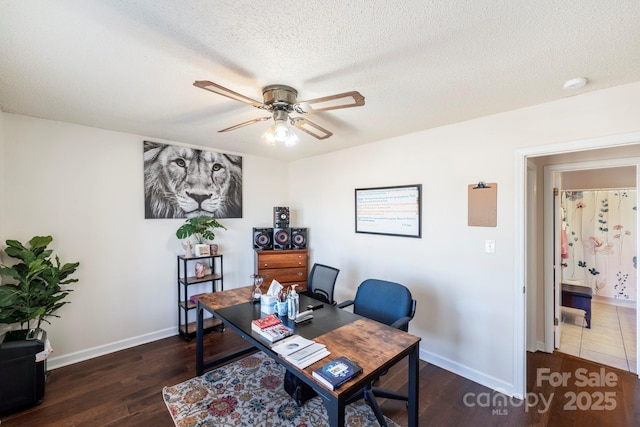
369 395
359 395
388 394
371 401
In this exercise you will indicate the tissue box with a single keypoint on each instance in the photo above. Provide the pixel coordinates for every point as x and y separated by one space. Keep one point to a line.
268 304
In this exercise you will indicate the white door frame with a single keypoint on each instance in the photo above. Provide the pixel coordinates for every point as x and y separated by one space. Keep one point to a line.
532 256
551 257
520 189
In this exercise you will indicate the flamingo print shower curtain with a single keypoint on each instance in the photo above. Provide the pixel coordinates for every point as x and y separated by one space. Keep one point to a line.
599 241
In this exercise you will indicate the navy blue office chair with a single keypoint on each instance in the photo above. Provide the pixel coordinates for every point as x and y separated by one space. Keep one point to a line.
321 282
389 303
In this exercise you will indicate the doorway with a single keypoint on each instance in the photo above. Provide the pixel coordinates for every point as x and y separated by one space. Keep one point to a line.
595 252
531 313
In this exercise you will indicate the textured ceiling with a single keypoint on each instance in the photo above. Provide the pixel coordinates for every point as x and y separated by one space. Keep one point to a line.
129 65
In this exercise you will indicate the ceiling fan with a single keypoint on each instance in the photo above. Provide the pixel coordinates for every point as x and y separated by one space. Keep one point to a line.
281 101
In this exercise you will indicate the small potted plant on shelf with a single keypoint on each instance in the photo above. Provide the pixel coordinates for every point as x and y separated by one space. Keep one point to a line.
201 228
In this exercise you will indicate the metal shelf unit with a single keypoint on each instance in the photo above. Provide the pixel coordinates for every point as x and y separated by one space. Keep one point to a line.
214 275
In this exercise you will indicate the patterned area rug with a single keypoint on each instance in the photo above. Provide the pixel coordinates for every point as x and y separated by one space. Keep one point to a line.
249 392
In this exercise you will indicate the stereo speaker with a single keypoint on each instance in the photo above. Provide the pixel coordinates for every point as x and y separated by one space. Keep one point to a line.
262 238
281 238
281 217
298 238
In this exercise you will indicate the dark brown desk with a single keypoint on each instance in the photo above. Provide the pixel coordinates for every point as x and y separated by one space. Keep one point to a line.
375 346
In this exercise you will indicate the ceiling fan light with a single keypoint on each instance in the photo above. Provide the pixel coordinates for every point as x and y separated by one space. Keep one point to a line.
269 137
281 132
292 140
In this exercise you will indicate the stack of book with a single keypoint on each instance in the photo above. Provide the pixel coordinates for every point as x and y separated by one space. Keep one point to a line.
337 372
271 328
301 352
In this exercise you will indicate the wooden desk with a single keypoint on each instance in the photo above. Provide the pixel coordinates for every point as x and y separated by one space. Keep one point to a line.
373 345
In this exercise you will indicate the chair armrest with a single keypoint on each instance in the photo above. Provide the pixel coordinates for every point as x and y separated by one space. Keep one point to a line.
345 304
401 322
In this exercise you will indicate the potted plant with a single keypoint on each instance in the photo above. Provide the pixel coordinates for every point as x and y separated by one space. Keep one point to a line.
35 291
201 228
39 287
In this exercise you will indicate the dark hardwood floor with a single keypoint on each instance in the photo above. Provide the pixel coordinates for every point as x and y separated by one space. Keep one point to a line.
124 389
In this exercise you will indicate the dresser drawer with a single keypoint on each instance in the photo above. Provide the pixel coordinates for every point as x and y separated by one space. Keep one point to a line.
287 266
282 260
302 285
284 274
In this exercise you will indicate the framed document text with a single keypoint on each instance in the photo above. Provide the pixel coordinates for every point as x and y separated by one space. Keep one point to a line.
393 211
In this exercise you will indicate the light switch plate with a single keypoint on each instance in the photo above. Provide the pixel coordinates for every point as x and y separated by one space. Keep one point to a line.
490 246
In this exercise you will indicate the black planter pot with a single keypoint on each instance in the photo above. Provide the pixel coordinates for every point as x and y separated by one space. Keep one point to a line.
25 335
22 379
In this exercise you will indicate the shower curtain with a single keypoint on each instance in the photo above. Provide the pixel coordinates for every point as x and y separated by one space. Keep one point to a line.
599 241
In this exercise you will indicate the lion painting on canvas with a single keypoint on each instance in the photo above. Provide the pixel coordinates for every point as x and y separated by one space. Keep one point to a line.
181 182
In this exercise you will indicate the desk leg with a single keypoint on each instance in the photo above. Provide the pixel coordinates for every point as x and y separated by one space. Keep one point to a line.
199 340
413 387
335 410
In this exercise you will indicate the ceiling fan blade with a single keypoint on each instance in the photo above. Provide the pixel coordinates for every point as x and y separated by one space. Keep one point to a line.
333 102
221 90
310 128
261 119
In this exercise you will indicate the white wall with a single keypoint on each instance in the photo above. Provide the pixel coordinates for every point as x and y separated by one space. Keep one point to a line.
465 296
84 186
622 177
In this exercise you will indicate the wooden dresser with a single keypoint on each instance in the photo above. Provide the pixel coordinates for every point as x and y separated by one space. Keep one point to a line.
286 266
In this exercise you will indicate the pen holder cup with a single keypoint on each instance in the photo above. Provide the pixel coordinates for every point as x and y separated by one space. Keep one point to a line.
281 308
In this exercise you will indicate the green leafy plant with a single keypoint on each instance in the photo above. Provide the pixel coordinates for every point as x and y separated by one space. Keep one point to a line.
200 227
39 289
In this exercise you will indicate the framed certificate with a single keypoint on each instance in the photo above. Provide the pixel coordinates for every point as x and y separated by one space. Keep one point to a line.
393 211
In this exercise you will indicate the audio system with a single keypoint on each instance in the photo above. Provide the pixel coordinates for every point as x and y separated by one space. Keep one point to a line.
298 238
262 238
281 238
281 217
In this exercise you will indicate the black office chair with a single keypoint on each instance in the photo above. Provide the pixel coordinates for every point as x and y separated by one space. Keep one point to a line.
321 282
389 303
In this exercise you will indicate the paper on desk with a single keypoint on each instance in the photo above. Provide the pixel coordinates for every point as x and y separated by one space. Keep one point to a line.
275 289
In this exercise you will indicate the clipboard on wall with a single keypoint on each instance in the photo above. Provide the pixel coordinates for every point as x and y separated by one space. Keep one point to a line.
483 204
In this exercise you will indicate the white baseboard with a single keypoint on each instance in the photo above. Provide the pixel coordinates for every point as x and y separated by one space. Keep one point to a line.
468 373
615 301
90 353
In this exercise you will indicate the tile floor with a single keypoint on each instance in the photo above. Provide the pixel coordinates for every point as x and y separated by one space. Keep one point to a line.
611 340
